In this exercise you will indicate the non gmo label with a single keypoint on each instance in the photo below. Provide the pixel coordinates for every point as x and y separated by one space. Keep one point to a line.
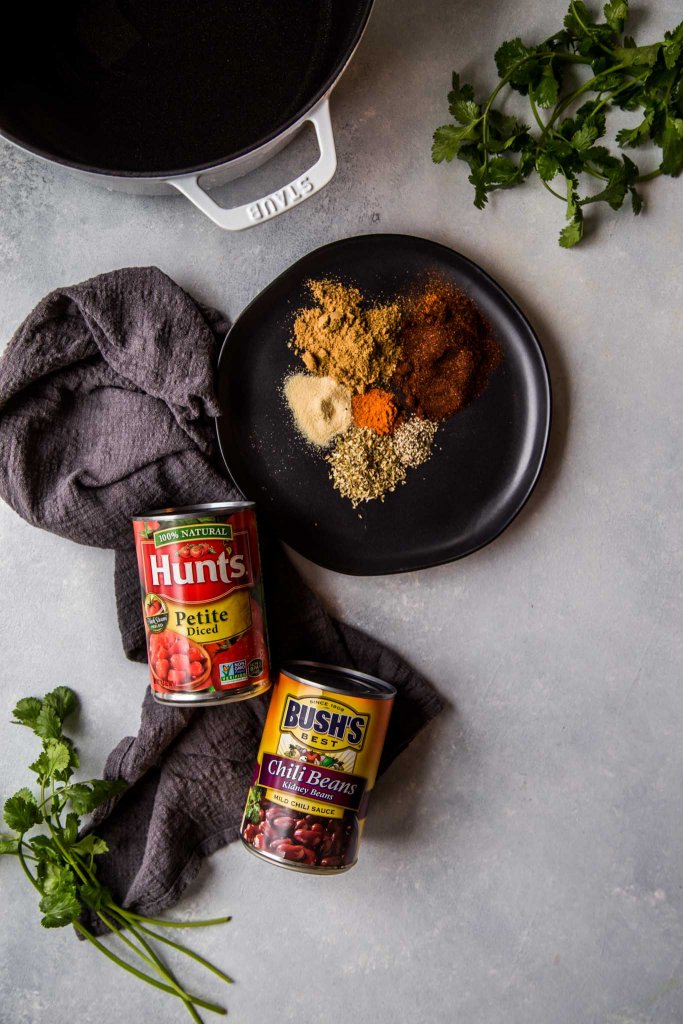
234 671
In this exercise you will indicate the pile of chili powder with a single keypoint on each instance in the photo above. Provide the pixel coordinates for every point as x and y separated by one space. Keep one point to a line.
443 354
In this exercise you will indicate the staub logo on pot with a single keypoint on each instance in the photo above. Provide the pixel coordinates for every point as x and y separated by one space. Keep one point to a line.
319 720
280 200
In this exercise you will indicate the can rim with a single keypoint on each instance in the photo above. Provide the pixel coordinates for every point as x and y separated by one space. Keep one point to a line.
182 510
377 689
305 869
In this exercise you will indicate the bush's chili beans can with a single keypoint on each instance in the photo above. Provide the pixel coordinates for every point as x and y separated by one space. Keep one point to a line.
316 767
202 602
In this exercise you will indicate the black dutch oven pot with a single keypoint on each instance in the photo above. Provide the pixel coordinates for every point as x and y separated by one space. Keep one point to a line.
151 96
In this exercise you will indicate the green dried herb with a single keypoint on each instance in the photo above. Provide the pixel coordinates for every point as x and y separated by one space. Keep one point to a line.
502 152
364 465
60 863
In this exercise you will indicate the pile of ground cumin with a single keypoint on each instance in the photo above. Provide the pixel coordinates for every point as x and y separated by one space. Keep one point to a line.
339 337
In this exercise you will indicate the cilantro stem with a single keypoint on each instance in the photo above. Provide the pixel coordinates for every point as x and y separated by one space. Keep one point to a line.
189 952
177 924
648 177
153 960
534 109
24 865
140 974
552 191
573 96
570 57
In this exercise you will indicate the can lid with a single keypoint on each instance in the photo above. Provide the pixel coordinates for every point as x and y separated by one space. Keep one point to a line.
185 510
339 680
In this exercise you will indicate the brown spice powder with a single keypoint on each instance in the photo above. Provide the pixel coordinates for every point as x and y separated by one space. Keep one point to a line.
448 351
339 338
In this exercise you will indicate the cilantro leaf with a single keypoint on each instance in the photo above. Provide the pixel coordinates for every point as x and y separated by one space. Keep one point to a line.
616 13
86 796
95 896
547 165
71 829
447 141
515 62
91 845
578 21
502 172
638 55
62 700
55 875
461 102
546 90
48 724
672 146
640 134
60 907
21 811
9 846
583 139
673 46
478 178
55 758
44 848
572 234
26 712
506 132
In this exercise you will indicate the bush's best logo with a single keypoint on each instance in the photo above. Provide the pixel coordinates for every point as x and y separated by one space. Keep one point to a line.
319 721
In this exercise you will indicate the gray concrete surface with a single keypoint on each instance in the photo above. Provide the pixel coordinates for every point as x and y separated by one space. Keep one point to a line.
523 861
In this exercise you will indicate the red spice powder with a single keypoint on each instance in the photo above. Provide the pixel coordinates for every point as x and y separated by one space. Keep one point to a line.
448 351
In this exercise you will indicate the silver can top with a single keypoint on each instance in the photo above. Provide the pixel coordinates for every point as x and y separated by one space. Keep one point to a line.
337 679
212 507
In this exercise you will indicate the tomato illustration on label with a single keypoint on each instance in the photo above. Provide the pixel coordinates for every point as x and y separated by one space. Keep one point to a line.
178 663
156 613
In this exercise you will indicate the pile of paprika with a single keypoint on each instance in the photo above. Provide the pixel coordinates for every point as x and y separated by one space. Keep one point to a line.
448 352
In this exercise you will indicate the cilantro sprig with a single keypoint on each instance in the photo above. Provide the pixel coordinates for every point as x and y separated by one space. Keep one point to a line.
60 862
565 148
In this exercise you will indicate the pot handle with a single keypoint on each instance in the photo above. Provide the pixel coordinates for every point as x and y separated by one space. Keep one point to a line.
303 187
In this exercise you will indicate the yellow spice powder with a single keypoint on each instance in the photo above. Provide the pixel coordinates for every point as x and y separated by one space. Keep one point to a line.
338 338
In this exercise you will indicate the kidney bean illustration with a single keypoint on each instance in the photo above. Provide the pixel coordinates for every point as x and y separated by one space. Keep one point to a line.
309 840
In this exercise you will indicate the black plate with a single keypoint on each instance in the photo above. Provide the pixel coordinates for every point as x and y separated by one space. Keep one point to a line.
487 458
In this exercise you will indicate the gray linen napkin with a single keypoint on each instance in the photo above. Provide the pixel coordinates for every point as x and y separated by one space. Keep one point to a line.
106 407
